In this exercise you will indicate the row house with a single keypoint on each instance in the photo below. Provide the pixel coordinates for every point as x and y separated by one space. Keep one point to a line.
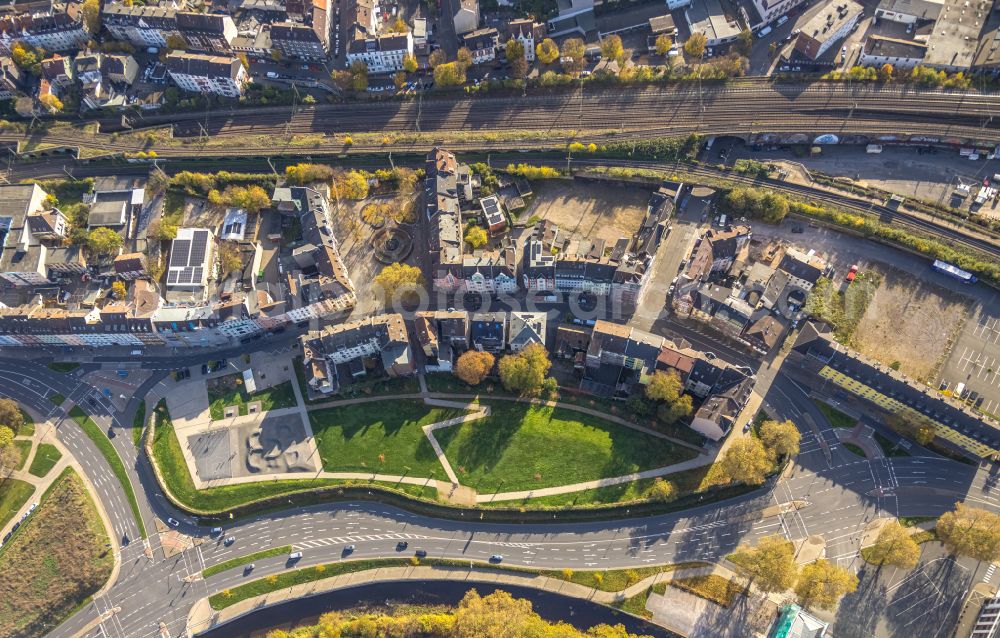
61 28
441 335
482 44
160 26
446 185
300 41
529 33
59 71
488 272
383 53
198 73
99 73
12 78
352 349
29 232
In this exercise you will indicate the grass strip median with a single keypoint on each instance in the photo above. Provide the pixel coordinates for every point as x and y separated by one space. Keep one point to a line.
46 457
56 398
103 444
610 580
138 421
245 560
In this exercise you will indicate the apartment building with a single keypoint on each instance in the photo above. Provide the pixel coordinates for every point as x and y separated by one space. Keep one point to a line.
198 73
308 36
382 53
56 29
826 28
482 44
11 78
153 26
22 253
528 32
350 350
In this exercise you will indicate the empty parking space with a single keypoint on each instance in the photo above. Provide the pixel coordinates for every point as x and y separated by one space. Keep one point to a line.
975 360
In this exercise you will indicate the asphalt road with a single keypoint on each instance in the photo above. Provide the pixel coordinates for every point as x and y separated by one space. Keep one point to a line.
844 494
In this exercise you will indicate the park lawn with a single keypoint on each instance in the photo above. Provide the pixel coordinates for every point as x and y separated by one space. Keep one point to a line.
64 366
138 421
28 429
13 495
636 605
450 384
103 444
56 398
23 449
60 558
712 587
173 469
351 438
46 457
232 393
522 446
836 418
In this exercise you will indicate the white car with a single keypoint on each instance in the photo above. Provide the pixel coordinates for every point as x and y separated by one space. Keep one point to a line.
173 522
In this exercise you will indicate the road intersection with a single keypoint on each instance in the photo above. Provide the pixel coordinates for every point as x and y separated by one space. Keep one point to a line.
153 593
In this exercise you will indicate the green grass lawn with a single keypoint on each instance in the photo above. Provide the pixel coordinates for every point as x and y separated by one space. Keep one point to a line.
245 560
856 449
23 449
13 495
888 447
56 398
351 438
28 428
227 393
170 460
103 444
447 382
138 422
45 459
522 446
64 366
836 418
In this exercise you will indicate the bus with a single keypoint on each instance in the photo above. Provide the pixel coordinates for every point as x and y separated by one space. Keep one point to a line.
953 271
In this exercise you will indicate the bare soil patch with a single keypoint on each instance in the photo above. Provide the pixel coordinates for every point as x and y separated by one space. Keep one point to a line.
911 322
589 211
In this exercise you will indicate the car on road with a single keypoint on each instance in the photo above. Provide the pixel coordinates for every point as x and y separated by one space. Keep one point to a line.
248 568
229 540
349 549
401 545
295 556
216 531
204 368
173 522
420 553
496 558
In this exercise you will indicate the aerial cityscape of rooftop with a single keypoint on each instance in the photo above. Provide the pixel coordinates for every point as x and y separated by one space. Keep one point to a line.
500 318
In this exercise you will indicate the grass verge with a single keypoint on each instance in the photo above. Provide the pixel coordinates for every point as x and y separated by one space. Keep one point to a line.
245 560
23 450
28 428
636 605
711 587
229 390
117 467
138 421
56 398
13 495
60 556
275 582
836 418
46 457
64 366
856 449
888 447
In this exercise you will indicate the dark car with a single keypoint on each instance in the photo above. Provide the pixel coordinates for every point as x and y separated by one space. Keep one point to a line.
401 545
204 368
979 401
111 433
420 553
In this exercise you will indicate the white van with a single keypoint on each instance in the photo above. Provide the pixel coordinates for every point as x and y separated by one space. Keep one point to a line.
958 390
763 32
135 353
295 556
782 20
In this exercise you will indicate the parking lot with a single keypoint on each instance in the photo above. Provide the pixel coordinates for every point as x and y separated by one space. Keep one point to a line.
975 359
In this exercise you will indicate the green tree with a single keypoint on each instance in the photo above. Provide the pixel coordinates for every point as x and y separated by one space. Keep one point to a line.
780 438
547 51
663 44
51 103
473 366
894 546
476 237
11 415
437 58
970 531
118 289
92 16
695 45
886 72
301 174
6 436
176 42
673 412
661 491
399 79
409 63
911 425
514 50
342 79
573 54
744 41
746 461
612 48
359 76
230 259
104 241
449 74
821 584
525 371
398 279
399 25
464 58
664 386
162 230
770 565
26 57
350 185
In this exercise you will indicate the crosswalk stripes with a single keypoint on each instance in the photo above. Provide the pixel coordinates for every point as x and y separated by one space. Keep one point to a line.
989 573
347 540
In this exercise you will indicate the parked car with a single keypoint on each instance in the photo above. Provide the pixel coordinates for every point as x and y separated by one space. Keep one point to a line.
173 522
851 274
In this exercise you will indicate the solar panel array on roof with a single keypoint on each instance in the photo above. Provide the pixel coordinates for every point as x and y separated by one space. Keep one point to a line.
179 253
187 258
199 243
490 206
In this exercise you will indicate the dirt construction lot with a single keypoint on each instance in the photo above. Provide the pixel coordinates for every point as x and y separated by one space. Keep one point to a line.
913 322
589 211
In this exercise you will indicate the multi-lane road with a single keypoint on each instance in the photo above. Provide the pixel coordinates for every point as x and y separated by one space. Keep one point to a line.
153 593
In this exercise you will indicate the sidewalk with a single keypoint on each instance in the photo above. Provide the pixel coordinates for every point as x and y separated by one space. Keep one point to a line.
202 617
